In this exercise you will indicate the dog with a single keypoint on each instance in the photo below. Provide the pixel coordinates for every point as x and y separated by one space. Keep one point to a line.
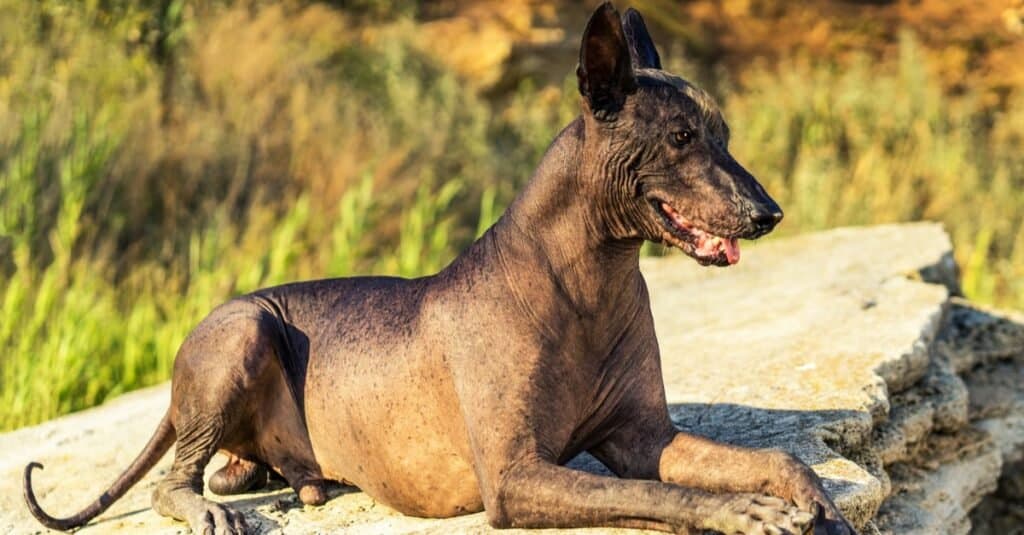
468 390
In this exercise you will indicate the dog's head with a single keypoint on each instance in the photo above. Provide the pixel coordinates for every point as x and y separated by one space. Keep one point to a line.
660 149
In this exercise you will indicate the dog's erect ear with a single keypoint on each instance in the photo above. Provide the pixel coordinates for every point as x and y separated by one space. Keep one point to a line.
641 46
605 72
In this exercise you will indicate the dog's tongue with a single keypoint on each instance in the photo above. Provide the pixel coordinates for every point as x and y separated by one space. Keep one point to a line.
708 245
732 250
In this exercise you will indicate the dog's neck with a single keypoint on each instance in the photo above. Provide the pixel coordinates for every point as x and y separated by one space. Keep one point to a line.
555 227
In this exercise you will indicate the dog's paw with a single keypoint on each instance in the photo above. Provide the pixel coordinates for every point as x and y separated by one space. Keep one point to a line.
217 519
829 521
798 481
756 514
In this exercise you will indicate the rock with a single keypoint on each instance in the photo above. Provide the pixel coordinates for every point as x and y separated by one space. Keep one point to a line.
936 492
938 402
798 346
976 336
1002 513
807 345
988 348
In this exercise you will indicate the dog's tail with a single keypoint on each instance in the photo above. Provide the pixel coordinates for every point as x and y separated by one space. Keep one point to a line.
158 445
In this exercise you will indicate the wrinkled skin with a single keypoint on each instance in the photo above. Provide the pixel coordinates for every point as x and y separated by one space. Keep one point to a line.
468 390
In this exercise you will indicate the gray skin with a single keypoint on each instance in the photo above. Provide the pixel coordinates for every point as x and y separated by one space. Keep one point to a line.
469 389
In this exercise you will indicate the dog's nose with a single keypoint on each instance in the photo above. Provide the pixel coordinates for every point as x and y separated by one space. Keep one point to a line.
767 219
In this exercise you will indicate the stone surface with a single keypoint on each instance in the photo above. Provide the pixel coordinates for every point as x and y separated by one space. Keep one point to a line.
938 402
978 336
1002 513
797 347
959 486
935 493
988 346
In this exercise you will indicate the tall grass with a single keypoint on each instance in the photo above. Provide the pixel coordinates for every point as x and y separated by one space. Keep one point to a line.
285 146
155 163
870 143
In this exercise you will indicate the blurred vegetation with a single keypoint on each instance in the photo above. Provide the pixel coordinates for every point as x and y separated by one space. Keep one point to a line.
159 157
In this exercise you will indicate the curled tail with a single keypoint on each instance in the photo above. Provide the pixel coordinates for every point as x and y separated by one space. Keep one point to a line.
158 445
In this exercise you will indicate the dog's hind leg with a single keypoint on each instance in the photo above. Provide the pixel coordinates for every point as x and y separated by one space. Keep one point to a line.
237 476
179 495
221 363
306 481
283 442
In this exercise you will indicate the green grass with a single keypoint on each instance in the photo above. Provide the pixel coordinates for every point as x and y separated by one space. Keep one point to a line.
139 190
872 143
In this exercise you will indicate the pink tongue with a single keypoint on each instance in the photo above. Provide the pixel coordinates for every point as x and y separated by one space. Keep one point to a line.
732 250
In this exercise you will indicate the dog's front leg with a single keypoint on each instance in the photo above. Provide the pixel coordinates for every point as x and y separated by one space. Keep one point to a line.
515 414
698 462
646 445
540 494
643 450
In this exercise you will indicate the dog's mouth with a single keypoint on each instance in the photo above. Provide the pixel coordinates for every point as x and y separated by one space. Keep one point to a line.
705 247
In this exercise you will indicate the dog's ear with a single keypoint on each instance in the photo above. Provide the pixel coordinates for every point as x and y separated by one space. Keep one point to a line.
641 46
605 72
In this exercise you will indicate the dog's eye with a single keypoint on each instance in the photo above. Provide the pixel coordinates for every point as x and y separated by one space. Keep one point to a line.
681 138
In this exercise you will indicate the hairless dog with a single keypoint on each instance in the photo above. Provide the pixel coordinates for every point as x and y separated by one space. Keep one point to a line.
468 390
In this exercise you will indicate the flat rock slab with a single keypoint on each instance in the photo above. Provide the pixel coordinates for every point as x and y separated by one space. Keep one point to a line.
797 347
